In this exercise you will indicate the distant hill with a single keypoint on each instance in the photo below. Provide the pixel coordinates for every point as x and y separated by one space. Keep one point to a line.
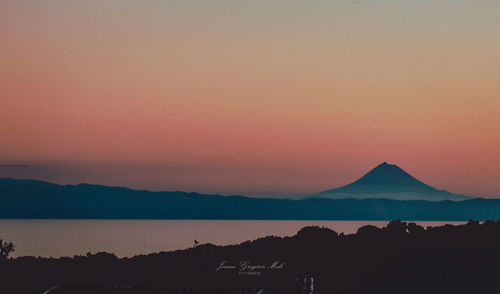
391 182
30 199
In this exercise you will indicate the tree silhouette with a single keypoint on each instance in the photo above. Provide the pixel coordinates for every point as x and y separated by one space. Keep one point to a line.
5 249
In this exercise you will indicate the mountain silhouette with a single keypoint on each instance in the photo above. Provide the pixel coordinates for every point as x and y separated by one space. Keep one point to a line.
391 182
31 199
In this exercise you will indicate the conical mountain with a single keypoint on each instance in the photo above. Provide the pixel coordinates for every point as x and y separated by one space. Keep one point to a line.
391 182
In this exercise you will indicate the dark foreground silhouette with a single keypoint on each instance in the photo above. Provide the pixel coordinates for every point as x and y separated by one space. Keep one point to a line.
399 258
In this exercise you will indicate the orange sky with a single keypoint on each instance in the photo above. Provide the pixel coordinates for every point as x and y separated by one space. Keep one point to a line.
251 97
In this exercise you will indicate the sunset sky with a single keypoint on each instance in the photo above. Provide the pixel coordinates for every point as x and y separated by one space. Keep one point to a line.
254 97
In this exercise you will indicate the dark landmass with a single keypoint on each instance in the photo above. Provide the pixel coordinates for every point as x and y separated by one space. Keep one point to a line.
391 182
399 258
31 199
96 289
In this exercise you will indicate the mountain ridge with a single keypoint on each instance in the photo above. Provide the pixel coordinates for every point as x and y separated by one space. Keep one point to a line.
31 199
391 182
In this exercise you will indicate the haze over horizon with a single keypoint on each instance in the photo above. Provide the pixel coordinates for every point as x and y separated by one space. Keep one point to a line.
386 174
250 97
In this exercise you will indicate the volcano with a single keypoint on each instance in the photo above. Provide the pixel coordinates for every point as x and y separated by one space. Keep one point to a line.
391 182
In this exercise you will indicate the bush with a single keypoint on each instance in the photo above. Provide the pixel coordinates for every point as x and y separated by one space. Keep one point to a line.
5 249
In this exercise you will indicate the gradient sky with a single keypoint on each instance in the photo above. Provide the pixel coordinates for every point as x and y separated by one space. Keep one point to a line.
250 97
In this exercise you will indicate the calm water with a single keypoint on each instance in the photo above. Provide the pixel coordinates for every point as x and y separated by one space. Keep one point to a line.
131 237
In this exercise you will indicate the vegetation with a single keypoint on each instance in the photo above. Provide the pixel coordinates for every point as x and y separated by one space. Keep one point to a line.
5 249
402 257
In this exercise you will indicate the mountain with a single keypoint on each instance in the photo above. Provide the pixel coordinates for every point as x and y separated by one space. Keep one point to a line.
31 199
391 182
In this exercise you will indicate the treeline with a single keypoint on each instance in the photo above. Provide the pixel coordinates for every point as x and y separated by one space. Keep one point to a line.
336 261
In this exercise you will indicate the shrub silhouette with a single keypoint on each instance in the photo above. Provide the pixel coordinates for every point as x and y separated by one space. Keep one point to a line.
5 249
402 257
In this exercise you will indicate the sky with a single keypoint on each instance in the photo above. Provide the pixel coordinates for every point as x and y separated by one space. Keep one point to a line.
258 98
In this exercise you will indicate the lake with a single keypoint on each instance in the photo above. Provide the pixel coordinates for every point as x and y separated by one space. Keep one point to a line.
127 238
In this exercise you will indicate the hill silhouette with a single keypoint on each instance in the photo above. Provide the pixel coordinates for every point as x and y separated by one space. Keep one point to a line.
32 199
398 258
391 182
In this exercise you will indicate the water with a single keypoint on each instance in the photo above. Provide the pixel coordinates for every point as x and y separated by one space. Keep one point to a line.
58 238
